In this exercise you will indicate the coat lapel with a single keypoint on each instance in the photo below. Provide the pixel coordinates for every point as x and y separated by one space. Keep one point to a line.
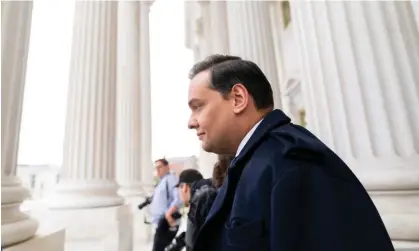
274 119
271 121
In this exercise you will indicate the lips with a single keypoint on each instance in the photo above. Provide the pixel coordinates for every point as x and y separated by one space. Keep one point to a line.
200 135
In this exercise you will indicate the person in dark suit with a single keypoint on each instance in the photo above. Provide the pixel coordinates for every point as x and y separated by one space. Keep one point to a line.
285 190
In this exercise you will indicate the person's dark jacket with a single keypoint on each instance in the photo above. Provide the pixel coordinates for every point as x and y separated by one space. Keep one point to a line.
203 194
287 191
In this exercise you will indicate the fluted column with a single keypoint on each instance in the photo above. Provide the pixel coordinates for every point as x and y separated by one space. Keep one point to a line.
145 94
128 137
204 29
250 37
277 31
360 64
15 30
218 27
415 6
211 27
88 172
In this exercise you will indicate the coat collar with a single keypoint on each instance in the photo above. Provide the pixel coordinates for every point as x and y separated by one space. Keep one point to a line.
273 120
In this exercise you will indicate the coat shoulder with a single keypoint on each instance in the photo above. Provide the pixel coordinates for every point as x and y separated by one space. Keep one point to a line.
283 145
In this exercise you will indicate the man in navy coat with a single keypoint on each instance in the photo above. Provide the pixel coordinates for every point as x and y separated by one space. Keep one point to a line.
285 190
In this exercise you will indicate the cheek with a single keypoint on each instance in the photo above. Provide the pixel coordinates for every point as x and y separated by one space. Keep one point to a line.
207 117
182 194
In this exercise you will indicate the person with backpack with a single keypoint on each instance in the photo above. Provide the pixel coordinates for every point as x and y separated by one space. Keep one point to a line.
198 194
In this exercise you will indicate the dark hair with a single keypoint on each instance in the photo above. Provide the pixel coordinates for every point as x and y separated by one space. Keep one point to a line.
219 172
163 161
226 71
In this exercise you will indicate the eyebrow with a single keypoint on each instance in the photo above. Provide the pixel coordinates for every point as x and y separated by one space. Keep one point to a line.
192 101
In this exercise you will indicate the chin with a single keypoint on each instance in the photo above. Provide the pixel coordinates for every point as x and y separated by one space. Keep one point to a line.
207 149
211 149
216 150
204 146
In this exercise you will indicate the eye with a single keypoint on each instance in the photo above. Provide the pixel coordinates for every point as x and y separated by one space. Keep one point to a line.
197 107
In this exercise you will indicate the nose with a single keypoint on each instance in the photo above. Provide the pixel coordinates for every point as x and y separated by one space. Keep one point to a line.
192 123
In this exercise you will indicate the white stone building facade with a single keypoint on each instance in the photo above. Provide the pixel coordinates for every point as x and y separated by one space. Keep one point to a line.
346 70
107 166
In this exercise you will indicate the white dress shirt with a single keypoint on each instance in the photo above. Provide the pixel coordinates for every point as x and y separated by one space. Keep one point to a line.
247 137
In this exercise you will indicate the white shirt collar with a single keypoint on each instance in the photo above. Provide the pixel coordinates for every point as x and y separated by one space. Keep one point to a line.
247 137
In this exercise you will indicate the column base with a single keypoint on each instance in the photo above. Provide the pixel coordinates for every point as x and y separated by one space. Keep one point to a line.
395 192
131 190
16 226
85 194
95 229
390 173
46 240
406 246
400 213
142 231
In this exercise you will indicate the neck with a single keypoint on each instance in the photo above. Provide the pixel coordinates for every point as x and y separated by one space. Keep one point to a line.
164 174
246 124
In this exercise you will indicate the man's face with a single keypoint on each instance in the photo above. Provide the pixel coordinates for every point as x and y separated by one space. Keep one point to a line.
185 193
212 116
161 169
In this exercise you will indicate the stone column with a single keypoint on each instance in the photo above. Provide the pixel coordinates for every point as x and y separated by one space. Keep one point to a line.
128 133
360 62
250 37
415 6
145 94
218 27
88 173
15 30
277 31
204 30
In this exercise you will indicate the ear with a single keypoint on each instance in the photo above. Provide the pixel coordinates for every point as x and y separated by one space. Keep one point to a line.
240 98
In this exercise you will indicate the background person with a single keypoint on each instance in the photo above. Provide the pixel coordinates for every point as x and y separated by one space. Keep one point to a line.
164 204
219 172
198 194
